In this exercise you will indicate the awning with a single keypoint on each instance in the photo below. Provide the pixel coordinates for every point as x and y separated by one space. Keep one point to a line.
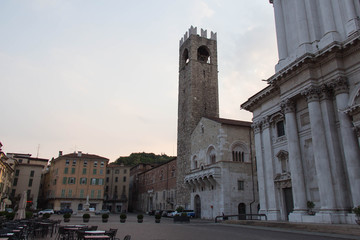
7 201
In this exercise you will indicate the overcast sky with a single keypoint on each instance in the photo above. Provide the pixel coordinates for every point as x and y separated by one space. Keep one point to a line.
101 76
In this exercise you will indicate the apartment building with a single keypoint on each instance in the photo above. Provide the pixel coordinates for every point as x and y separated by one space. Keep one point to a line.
6 175
27 177
116 196
77 181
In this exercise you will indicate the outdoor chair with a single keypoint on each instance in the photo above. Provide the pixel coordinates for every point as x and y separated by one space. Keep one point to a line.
127 237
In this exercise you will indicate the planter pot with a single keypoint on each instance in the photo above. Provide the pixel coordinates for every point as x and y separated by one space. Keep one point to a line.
181 219
122 220
140 220
104 220
66 219
157 220
85 220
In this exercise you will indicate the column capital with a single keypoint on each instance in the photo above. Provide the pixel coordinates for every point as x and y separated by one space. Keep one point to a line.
265 122
256 126
325 92
340 85
311 93
288 106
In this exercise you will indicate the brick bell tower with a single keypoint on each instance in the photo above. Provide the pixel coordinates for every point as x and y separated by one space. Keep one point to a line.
198 97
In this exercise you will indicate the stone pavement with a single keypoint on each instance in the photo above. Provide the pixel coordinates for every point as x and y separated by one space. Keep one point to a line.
204 229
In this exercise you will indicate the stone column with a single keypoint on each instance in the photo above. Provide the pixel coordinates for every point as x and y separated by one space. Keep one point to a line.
327 16
325 182
333 143
273 211
295 161
352 23
260 167
280 30
348 137
302 23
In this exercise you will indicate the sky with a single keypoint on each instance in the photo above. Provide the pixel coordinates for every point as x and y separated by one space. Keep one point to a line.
101 76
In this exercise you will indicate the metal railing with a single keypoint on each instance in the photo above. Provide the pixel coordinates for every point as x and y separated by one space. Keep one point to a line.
242 217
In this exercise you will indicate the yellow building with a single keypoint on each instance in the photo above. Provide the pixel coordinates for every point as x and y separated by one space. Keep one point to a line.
76 181
117 188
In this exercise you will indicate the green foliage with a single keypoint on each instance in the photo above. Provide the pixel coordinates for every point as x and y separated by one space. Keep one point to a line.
3 213
67 215
179 209
148 158
356 210
46 215
157 216
140 216
123 216
184 214
86 215
105 216
310 205
28 214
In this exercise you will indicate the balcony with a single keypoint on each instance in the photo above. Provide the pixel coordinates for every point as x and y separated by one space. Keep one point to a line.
200 178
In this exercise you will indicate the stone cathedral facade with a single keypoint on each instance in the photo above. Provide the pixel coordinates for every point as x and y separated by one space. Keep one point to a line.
216 170
306 120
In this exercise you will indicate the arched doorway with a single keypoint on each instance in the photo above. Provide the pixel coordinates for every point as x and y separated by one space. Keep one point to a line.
242 211
197 204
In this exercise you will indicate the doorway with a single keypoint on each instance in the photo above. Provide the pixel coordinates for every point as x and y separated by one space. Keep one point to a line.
197 206
242 211
289 203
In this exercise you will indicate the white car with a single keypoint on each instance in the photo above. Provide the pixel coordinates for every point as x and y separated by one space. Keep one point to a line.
50 211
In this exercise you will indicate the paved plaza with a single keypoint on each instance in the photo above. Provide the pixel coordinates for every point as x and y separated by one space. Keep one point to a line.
197 230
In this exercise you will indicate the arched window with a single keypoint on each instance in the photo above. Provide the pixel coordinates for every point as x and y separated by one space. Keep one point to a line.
240 153
211 155
185 57
195 163
173 171
203 54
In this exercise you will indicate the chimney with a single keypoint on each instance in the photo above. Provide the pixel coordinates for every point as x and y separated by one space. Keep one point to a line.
60 153
79 153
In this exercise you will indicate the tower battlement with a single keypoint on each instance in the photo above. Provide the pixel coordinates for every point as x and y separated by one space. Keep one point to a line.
193 31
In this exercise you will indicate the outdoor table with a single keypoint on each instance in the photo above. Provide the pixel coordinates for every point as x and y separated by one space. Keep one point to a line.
96 237
97 232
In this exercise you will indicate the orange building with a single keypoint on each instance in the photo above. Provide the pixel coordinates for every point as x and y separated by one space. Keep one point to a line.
76 181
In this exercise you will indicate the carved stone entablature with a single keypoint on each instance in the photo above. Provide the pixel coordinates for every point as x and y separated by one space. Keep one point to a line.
256 126
283 180
288 106
282 155
326 92
311 94
280 139
340 85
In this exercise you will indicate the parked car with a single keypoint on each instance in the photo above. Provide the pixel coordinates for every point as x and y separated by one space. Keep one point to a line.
102 211
91 209
165 213
190 213
9 210
50 211
65 210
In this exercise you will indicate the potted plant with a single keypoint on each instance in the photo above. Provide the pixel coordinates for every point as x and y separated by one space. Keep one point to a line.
356 210
310 206
46 215
105 217
67 217
181 216
86 217
157 218
123 217
28 215
140 218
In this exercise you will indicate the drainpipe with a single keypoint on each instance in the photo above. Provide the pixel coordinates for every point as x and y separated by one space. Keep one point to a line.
252 171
